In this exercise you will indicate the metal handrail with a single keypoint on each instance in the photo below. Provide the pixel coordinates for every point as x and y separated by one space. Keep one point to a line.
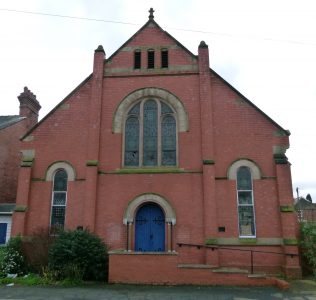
219 247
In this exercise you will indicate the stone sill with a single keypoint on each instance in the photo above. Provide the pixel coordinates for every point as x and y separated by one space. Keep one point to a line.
124 252
157 170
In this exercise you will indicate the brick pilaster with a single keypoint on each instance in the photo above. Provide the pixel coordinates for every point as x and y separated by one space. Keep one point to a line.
289 221
95 109
22 200
210 216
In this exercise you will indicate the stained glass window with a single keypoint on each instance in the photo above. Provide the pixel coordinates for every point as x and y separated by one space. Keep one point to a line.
246 214
150 135
132 142
59 200
168 141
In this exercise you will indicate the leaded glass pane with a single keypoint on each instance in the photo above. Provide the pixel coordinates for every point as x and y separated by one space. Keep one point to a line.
244 179
60 181
246 221
58 216
150 133
134 110
245 197
165 108
168 141
59 198
131 157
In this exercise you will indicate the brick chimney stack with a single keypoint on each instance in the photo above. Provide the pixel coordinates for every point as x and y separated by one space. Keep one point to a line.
29 107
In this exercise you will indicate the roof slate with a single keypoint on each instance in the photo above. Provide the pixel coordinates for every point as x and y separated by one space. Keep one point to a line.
6 208
6 121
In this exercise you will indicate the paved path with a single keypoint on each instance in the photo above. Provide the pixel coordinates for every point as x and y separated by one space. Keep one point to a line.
298 291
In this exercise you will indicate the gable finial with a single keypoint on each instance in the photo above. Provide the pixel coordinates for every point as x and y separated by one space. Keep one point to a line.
151 14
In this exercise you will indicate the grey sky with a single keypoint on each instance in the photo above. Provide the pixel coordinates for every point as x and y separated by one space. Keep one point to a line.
265 49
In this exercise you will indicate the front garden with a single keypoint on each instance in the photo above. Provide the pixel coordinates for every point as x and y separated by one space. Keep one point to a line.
71 257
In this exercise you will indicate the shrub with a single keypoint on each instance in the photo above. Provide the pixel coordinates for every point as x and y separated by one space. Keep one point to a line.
13 261
78 255
36 248
308 243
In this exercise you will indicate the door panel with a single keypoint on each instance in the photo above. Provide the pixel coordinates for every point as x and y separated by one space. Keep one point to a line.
150 229
3 232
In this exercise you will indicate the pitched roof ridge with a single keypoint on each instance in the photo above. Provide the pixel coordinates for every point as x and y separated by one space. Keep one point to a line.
151 20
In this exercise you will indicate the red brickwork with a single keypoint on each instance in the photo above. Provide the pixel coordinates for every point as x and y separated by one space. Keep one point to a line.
223 128
10 159
10 155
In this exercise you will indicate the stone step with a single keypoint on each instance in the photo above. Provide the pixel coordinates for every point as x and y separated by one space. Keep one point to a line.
195 266
257 275
228 270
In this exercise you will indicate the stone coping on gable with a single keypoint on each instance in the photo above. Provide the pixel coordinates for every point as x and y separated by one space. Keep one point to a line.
125 252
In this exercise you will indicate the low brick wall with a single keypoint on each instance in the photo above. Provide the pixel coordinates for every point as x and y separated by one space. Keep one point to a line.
148 268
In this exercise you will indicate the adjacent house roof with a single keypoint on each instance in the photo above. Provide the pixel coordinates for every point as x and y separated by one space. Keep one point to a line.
6 121
302 203
6 208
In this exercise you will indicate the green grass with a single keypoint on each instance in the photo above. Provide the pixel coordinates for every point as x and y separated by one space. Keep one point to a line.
30 280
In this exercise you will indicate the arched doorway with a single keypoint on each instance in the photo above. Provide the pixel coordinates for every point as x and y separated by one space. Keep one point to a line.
150 229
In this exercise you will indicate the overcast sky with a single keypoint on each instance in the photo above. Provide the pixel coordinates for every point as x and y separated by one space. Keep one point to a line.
265 49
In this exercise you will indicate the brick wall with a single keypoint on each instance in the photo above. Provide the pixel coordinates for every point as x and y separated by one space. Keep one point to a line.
239 131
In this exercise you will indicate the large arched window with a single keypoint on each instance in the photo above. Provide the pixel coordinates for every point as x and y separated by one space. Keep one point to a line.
246 216
150 135
59 199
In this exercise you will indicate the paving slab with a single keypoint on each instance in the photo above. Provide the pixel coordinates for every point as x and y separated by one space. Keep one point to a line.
300 290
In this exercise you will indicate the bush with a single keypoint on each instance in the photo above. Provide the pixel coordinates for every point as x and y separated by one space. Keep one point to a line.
36 248
12 261
308 244
78 255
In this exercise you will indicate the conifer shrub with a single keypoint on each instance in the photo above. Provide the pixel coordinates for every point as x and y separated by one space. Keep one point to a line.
78 255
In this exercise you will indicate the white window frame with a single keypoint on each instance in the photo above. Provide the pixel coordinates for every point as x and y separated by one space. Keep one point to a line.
245 205
52 198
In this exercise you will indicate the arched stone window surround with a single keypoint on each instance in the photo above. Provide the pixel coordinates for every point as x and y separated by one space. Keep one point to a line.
132 207
245 198
164 95
50 173
254 169
156 155
135 204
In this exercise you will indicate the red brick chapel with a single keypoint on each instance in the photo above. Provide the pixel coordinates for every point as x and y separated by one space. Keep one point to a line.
170 165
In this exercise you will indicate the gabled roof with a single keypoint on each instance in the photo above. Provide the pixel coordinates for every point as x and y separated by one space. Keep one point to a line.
286 132
56 107
6 121
152 21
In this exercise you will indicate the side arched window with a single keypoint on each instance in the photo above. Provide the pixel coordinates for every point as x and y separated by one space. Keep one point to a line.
59 199
150 135
246 215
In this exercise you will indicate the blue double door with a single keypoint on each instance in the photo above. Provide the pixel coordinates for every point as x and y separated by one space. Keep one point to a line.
150 229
